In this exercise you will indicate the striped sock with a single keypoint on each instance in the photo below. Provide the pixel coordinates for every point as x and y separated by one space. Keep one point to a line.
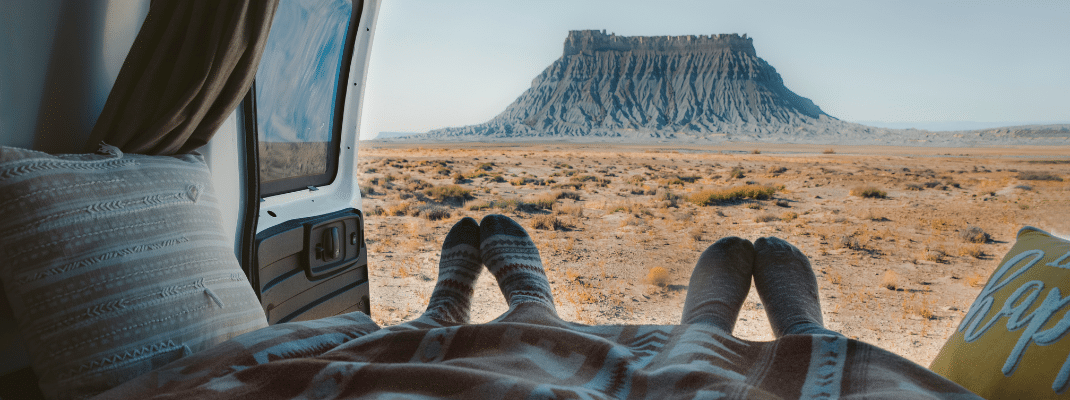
511 255
719 284
458 267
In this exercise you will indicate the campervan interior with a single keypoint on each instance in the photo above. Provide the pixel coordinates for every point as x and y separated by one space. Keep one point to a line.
282 163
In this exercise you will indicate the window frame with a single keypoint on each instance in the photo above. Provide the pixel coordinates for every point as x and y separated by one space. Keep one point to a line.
297 183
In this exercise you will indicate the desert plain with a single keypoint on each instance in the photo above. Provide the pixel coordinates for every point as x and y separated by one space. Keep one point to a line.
902 239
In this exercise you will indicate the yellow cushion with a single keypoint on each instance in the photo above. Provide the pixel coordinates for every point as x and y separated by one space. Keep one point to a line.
1012 343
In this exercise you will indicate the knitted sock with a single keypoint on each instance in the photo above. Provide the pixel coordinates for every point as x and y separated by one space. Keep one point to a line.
788 288
458 267
719 284
511 255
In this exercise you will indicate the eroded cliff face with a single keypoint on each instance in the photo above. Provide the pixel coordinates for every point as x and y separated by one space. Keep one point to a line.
659 86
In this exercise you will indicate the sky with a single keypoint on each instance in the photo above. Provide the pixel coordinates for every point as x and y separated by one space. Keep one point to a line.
938 63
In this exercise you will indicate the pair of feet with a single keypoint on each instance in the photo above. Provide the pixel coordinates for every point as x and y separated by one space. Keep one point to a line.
782 276
719 284
509 254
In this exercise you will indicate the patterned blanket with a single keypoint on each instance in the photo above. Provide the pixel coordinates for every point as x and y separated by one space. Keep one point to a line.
529 353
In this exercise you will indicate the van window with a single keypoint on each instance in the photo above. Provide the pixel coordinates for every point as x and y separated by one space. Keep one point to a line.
300 90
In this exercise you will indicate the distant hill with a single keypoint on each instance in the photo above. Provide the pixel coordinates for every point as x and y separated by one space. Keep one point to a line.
394 135
705 88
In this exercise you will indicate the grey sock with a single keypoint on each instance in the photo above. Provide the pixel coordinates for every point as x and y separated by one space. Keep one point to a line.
788 288
458 268
511 255
719 284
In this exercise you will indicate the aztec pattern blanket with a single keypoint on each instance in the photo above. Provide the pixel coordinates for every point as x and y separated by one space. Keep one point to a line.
528 353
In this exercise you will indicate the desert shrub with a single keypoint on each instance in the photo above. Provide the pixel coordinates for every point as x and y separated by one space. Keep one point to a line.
934 255
543 201
378 210
736 173
868 192
754 206
890 280
848 242
829 151
496 178
756 151
689 178
932 184
782 203
696 234
487 166
789 216
480 206
564 194
433 212
776 170
443 170
459 178
574 210
765 218
658 276
448 192
568 185
1038 176
974 234
594 180
971 251
636 180
402 209
914 187
547 222
1024 187
710 197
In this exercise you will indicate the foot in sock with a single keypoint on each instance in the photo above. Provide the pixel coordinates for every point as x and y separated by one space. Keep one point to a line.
788 288
458 267
719 284
511 256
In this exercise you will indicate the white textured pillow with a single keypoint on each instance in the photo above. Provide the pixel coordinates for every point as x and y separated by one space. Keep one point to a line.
115 265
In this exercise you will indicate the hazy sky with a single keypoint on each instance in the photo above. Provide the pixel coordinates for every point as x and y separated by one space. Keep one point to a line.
452 63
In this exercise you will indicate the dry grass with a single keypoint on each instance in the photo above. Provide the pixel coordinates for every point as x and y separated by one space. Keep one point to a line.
657 276
448 193
711 197
766 218
547 222
868 192
973 234
890 280
1038 176
789 216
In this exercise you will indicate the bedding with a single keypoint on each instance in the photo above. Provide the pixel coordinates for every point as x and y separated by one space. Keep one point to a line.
530 353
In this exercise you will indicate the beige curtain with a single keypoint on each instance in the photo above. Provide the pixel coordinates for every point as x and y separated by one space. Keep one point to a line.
190 66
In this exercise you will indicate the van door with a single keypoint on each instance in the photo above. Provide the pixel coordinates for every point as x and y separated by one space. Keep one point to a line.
308 259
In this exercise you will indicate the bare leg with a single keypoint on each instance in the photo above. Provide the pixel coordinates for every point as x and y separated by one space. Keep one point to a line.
458 267
511 255
719 284
788 288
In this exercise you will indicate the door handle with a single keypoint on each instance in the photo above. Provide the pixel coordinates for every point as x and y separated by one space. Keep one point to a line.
332 248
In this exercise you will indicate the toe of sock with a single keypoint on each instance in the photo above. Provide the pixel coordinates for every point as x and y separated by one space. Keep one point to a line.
497 224
466 231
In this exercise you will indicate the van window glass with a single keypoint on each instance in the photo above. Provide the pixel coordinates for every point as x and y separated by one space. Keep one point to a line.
298 93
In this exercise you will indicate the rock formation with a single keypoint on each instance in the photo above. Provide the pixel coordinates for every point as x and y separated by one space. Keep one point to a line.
679 88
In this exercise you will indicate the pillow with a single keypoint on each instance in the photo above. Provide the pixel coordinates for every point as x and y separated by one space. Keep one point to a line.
1012 343
115 265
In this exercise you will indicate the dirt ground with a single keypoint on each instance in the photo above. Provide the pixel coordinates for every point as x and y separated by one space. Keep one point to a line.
620 227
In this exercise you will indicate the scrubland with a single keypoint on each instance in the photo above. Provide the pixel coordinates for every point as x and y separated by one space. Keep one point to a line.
901 239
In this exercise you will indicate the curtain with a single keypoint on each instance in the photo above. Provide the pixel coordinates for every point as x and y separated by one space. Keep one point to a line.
189 67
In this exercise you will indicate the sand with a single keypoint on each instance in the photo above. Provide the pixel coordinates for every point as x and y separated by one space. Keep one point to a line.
620 243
